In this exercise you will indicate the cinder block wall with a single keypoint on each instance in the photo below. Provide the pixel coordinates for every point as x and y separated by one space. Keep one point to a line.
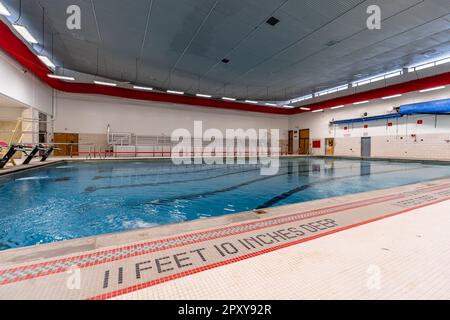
348 147
99 140
422 146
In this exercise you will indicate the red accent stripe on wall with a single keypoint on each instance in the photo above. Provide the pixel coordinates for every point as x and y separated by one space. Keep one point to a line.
410 86
24 56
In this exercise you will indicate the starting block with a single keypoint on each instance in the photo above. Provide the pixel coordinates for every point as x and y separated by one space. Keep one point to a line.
28 150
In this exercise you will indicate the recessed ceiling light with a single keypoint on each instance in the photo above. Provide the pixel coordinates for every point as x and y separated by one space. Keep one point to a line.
391 97
23 31
432 89
251 101
272 21
3 10
337 107
305 108
203 95
175 92
228 99
143 88
289 107
47 61
54 76
271 104
102 83
362 102
319 110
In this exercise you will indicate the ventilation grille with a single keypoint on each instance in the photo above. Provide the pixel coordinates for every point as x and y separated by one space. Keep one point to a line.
272 21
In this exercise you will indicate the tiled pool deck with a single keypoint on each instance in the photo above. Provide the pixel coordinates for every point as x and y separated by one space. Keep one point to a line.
318 249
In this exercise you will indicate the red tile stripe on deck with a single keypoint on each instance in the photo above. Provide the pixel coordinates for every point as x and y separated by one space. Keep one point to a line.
247 256
91 259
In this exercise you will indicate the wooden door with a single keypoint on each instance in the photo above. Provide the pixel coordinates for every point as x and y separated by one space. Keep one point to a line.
304 141
329 145
291 142
68 144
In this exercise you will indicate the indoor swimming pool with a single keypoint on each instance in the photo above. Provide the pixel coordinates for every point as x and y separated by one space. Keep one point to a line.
78 199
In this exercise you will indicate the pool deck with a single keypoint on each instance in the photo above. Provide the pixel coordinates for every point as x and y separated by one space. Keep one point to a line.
385 244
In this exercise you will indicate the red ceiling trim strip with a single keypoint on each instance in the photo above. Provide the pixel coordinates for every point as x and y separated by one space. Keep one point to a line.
410 86
23 55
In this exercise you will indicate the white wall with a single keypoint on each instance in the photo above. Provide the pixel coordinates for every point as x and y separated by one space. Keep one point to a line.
22 86
402 129
10 113
91 115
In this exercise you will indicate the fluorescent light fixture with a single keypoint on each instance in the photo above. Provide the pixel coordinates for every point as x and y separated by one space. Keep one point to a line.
319 110
201 95
361 102
446 60
361 83
303 98
271 104
391 97
305 108
425 66
394 74
432 89
3 10
379 77
428 64
47 61
288 107
102 83
331 90
175 92
251 101
337 107
228 99
143 88
55 76
23 31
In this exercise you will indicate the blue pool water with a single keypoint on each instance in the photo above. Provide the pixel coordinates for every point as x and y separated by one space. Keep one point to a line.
72 200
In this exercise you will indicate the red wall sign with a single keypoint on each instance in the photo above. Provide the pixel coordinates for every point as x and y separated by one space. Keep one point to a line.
390 124
366 126
419 121
316 144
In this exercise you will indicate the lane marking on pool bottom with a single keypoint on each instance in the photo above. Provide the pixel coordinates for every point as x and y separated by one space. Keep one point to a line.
109 273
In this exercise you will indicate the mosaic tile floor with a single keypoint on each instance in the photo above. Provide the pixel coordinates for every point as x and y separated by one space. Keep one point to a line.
122 270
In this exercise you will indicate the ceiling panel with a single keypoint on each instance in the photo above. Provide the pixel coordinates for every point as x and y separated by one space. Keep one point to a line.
179 44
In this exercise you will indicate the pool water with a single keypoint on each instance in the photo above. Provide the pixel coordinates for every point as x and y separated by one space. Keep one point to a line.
79 199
